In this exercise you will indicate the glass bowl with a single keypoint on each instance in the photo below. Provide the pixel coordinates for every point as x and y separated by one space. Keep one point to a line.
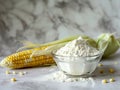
77 66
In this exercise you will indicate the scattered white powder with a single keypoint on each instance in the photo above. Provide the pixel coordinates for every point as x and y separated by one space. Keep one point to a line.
77 47
77 65
61 77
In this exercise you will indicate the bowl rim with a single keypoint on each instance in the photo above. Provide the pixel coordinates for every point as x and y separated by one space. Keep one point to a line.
100 53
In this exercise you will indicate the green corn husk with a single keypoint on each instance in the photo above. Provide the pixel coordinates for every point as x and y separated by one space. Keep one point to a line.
91 41
30 45
108 44
48 50
52 46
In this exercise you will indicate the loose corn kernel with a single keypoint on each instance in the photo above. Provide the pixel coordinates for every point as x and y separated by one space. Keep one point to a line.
21 73
14 72
7 72
100 65
13 80
101 71
111 70
104 81
112 80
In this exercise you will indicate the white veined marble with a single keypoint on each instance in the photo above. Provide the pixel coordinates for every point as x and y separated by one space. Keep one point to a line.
47 20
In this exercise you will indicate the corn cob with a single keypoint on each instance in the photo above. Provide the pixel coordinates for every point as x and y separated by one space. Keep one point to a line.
22 59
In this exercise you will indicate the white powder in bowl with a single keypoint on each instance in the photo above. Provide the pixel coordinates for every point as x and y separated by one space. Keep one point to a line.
77 47
76 63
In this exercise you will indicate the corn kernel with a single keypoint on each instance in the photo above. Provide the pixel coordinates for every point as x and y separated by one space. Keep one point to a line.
111 70
101 71
7 72
21 73
112 80
100 65
13 80
104 81
14 72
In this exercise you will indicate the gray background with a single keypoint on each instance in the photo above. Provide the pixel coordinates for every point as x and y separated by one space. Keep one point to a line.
42 21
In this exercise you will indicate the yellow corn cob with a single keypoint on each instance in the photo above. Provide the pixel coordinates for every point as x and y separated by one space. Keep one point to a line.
22 59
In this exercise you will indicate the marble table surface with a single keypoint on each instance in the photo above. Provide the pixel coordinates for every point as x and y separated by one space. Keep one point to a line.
35 79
